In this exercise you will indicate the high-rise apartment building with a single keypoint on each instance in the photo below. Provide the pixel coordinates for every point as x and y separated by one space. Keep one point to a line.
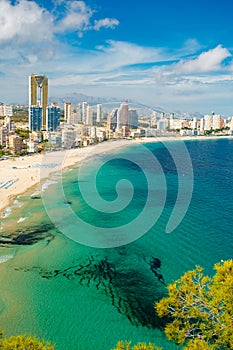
38 97
68 112
79 113
207 122
84 112
122 115
35 118
89 119
52 117
216 121
99 113
132 119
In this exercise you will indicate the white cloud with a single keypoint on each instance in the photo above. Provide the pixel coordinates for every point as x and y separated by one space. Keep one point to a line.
77 17
24 21
206 62
106 23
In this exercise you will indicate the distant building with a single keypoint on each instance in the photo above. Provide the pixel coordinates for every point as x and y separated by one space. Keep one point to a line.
15 143
38 97
79 113
112 119
89 116
122 115
202 122
32 146
55 139
194 123
69 113
3 135
231 124
132 119
36 136
207 122
68 138
162 124
216 122
84 112
99 113
126 131
6 110
9 124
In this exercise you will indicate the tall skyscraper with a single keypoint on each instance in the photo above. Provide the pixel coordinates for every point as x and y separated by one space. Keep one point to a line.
89 120
132 119
122 115
52 117
99 113
38 96
84 112
35 118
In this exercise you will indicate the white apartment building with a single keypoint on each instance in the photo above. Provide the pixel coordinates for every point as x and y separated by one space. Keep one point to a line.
89 119
207 122
69 113
162 124
84 112
79 113
122 115
194 123
99 113
6 110
216 121
68 138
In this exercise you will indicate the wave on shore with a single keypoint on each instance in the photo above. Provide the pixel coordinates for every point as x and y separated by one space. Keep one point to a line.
5 258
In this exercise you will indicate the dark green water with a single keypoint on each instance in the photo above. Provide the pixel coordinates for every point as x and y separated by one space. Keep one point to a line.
82 296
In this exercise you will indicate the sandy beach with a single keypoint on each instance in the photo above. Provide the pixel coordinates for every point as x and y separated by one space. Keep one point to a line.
19 174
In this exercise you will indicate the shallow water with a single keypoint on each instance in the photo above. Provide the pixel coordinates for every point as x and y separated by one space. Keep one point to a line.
82 296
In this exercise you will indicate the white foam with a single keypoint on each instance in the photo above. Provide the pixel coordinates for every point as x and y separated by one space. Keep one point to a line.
47 184
5 258
21 219
7 212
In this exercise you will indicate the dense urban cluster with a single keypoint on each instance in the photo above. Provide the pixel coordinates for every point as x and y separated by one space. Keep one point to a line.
54 126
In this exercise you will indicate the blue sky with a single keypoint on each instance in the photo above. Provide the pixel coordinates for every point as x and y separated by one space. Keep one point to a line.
172 54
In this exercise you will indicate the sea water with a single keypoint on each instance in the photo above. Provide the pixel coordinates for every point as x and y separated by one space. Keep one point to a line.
83 295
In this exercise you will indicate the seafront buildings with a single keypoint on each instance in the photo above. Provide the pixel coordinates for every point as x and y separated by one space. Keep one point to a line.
51 126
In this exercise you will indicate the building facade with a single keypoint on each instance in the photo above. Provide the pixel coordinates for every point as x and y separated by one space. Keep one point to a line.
35 118
52 117
38 96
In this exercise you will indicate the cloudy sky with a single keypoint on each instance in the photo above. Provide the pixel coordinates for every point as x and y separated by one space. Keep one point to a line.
167 53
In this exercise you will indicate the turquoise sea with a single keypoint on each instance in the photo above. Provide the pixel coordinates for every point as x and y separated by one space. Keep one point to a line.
84 296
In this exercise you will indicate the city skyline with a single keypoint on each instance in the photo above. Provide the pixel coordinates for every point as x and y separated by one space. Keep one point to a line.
160 54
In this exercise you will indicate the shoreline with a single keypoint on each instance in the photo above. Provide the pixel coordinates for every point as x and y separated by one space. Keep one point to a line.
20 174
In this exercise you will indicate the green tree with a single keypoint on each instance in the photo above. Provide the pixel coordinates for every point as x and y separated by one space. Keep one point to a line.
199 309
22 342
140 346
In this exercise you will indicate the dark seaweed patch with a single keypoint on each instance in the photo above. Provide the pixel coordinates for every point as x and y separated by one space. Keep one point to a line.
29 236
132 292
